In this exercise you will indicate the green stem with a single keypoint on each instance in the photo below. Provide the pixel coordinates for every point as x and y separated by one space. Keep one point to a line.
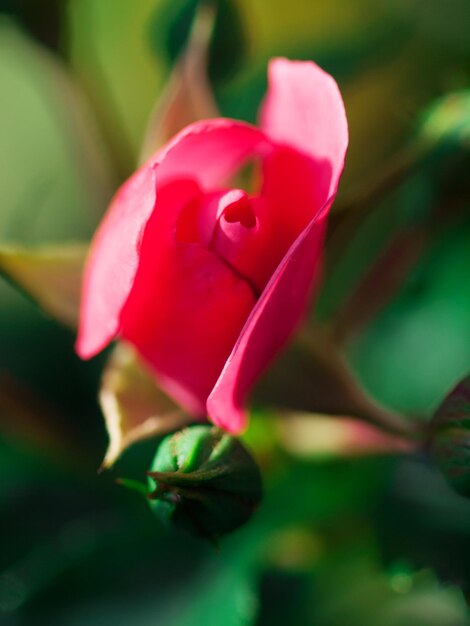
320 346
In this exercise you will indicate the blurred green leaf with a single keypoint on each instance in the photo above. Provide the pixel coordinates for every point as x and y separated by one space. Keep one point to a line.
430 315
55 176
51 275
227 593
396 287
402 598
171 25
56 181
444 26
448 119
109 50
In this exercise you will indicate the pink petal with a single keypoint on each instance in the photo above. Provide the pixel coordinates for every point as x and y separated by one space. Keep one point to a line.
186 308
207 152
294 189
241 235
304 113
186 322
275 316
113 261
304 110
210 151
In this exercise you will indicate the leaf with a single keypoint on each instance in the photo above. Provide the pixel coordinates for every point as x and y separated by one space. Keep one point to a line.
55 175
171 30
450 437
108 50
397 288
188 95
51 275
448 119
226 593
134 407
395 356
357 593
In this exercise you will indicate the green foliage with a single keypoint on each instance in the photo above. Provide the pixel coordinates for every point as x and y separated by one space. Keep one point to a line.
108 49
171 24
62 195
367 541
418 346
56 180
416 234
51 275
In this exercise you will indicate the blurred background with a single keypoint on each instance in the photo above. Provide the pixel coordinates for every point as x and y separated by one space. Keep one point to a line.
341 538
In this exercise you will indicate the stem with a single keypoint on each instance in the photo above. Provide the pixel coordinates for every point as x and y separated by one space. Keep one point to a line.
326 352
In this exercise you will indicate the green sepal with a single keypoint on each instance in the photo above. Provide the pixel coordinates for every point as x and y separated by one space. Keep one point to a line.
133 485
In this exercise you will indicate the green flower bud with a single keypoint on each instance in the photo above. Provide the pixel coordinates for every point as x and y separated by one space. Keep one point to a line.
450 437
204 482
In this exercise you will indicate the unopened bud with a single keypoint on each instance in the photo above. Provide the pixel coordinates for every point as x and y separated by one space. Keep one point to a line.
204 482
450 437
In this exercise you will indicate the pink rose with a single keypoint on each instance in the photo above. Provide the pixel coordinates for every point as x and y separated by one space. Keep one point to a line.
209 282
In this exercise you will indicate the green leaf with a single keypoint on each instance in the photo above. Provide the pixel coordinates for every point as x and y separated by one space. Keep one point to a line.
395 355
55 177
448 119
450 437
172 23
362 595
397 286
226 593
55 181
109 52
51 275
134 407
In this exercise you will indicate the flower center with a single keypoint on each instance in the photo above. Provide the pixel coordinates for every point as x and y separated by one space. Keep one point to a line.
236 229
240 211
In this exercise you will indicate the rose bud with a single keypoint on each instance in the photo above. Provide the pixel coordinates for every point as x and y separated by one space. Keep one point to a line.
449 437
204 481
209 282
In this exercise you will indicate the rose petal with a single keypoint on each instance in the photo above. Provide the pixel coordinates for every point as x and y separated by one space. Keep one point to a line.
294 189
304 110
272 321
208 152
304 113
185 319
241 236
186 308
112 263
